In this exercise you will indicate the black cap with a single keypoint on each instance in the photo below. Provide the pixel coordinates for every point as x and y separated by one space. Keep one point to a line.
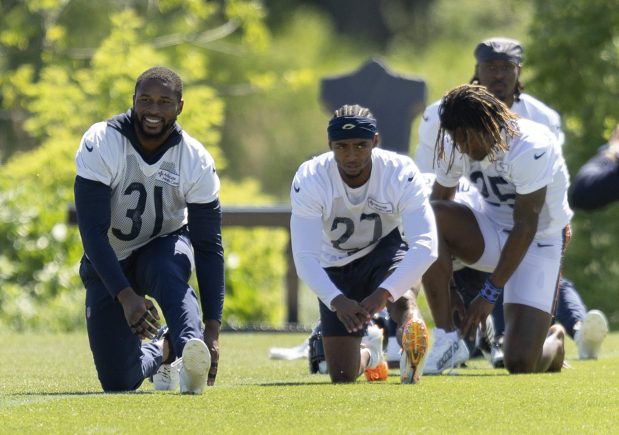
499 49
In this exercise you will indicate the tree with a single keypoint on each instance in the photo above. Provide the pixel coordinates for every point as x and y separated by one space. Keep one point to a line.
68 86
575 55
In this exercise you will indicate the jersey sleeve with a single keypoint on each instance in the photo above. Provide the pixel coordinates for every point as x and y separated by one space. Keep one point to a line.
554 125
305 197
204 184
421 235
305 237
532 169
414 189
95 158
205 233
446 175
427 132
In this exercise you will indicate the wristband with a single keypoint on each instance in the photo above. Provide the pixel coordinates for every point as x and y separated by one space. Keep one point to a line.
489 292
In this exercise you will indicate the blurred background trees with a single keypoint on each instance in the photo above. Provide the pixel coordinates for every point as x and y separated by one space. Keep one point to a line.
575 52
252 71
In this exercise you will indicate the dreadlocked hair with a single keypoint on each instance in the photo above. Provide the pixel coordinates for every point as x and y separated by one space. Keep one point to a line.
471 108
353 110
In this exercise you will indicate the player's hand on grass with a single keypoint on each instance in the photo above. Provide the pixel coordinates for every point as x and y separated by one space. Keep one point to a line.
211 338
478 311
376 301
140 313
351 313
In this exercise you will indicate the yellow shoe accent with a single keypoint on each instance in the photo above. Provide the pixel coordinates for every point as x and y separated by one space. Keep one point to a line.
415 343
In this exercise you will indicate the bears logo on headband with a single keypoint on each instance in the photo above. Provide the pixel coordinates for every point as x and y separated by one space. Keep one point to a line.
351 127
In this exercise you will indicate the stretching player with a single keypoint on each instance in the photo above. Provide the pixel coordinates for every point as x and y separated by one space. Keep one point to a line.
145 193
517 232
347 207
498 68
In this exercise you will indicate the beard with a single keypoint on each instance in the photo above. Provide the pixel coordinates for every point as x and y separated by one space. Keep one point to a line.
161 134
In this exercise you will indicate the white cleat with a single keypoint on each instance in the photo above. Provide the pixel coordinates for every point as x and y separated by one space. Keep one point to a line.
497 357
373 342
166 378
193 366
591 334
448 352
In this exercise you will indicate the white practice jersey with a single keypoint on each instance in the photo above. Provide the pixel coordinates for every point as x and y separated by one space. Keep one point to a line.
526 107
148 200
351 231
534 160
466 193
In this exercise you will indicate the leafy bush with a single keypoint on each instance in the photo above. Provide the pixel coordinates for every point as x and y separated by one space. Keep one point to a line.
255 263
39 253
580 37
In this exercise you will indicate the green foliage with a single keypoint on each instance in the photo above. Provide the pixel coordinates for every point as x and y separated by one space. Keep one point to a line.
580 37
280 114
474 20
39 253
252 98
255 263
275 121
39 287
575 55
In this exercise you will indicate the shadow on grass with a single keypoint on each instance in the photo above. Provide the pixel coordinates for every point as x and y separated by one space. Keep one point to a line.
294 384
391 375
78 393
469 375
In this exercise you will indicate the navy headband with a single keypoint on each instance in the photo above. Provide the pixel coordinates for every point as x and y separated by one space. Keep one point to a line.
351 127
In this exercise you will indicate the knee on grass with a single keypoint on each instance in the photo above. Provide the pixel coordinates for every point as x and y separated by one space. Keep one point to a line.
342 377
120 383
520 360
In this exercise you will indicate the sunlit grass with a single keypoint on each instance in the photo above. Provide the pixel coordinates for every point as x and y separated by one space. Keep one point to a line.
48 384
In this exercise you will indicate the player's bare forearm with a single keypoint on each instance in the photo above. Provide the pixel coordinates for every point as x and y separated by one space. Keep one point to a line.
476 314
376 301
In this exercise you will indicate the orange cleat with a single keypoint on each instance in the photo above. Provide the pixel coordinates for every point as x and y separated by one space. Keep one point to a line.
379 373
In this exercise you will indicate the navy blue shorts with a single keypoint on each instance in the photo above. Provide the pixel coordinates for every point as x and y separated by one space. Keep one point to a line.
360 278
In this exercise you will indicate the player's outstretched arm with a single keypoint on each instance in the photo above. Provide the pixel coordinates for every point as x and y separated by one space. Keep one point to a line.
205 233
376 301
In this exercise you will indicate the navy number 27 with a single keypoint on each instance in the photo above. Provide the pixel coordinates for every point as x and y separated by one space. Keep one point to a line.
350 228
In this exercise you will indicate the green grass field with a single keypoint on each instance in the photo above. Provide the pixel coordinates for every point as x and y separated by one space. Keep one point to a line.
48 385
